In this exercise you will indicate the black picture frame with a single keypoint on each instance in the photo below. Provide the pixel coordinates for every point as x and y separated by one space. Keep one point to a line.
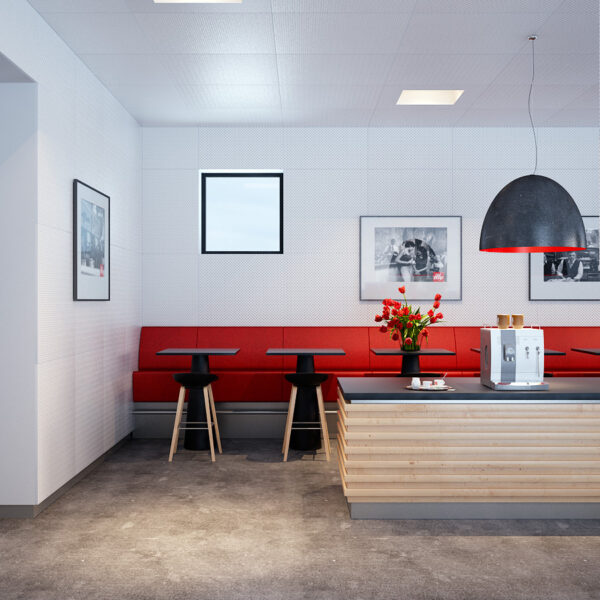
423 291
91 281
205 177
568 291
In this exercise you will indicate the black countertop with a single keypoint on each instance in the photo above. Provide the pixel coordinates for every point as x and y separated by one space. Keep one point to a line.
467 390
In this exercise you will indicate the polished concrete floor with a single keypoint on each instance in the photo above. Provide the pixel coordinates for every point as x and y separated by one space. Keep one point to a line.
250 527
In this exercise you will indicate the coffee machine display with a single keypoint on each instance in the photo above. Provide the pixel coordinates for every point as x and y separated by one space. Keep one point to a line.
512 359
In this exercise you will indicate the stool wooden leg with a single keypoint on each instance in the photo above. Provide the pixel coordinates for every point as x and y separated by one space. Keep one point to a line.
178 413
323 419
288 423
209 424
214 415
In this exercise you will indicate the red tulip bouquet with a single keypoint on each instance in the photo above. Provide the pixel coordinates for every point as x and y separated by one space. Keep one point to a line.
405 323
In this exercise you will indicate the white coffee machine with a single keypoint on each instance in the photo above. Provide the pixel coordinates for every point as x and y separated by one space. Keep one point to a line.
512 359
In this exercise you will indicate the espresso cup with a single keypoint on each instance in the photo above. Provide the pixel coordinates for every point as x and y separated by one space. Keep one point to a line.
426 384
503 321
517 321
439 382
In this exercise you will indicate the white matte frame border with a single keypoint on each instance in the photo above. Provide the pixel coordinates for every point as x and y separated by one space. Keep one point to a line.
557 291
371 286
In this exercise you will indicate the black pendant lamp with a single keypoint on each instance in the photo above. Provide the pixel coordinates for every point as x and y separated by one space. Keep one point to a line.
532 213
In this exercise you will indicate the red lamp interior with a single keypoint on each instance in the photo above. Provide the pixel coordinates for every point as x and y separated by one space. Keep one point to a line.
534 249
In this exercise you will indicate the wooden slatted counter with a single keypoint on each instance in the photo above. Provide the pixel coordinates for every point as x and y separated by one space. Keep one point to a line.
472 453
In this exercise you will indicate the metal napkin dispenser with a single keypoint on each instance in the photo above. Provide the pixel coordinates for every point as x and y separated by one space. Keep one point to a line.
512 359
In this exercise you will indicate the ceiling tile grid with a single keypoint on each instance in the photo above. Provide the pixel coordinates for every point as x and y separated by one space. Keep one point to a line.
303 63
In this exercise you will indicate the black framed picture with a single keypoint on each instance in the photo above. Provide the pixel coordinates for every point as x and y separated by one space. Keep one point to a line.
91 243
568 275
425 253
242 213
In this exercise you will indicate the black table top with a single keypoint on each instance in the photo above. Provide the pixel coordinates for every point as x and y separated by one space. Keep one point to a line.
198 351
547 352
594 351
422 352
467 389
305 351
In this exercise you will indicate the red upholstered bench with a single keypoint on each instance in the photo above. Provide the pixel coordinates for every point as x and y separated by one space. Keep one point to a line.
251 376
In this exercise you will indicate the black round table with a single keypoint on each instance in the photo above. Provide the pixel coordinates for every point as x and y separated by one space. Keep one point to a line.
410 359
197 439
307 409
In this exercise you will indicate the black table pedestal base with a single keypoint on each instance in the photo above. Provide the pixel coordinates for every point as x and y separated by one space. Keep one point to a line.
306 409
197 439
410 364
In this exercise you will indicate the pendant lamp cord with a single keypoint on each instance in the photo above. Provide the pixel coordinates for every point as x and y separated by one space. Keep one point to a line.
532 38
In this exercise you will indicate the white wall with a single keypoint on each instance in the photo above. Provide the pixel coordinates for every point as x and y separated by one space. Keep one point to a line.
331 177
18 295
86 350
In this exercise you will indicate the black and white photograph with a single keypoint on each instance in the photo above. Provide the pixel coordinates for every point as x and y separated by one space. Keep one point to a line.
411 254
568 275
422 251
91 243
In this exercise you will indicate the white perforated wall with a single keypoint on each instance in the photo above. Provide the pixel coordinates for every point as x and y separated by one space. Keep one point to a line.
332 176
85 350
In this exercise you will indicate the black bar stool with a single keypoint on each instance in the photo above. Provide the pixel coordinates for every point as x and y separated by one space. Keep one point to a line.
305 380
196 381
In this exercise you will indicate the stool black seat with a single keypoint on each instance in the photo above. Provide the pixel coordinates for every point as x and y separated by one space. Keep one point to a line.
306 379
311 380
196 381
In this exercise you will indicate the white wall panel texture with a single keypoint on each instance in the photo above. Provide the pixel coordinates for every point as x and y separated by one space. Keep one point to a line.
332 176
86 350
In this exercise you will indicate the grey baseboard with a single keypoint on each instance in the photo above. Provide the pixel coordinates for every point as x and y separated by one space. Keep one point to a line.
29 511
236 421
474 510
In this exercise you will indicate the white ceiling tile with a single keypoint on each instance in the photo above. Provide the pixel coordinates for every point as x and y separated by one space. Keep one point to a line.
501 117
487 6
237 117
343 6
226 69
543 97
562 69
329 96
80 6
128 69
333 69
471 33
179 33
447 71
153 103
247 6
322 117
579 6
338 33
231 96
589 100
419 116
568 33
105 33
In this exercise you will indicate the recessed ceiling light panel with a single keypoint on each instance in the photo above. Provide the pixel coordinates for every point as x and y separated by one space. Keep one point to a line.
431 97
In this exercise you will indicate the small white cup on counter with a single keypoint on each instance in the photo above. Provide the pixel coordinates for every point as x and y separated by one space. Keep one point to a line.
439 382
415 383
426 384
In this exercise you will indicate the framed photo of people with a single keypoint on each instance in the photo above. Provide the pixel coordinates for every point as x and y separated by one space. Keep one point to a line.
91 243
425 253
567 275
